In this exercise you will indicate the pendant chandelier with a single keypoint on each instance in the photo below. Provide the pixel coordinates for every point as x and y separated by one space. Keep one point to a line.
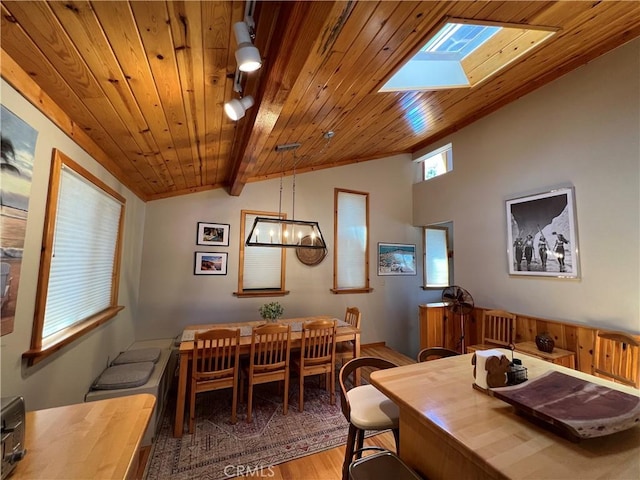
281 232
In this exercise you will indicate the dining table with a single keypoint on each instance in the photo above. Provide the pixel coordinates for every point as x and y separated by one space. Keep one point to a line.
449 429
344 333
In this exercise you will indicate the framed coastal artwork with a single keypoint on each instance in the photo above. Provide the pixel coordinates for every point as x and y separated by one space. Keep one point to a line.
542 237
396 259
215 234
16 170
210 263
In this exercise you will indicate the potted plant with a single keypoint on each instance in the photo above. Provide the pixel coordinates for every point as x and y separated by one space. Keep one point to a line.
271 311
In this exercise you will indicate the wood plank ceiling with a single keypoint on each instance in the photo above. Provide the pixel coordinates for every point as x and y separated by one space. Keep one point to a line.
146 81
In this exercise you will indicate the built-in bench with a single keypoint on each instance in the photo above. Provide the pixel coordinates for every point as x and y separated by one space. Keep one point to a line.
157 384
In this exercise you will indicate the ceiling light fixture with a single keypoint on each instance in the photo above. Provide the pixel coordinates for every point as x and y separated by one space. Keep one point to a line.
236 108
280 232
247 54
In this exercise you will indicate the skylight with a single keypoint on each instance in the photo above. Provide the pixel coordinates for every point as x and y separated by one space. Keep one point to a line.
463 54
459 39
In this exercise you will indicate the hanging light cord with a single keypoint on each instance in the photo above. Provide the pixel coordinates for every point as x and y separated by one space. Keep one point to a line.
280 202
293 208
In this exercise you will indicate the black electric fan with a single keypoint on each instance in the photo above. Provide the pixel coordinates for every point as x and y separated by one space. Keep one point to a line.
459 302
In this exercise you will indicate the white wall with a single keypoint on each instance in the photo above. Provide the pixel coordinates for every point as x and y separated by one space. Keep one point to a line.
581 130
64 377
172 297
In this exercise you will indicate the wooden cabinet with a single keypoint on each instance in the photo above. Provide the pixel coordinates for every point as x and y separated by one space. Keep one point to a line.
559 356
437 328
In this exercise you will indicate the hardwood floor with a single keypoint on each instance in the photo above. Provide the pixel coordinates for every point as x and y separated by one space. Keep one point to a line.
327 465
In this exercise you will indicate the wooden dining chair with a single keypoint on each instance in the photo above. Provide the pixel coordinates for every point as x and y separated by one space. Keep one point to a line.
616 357
365 408
216 363
346 350
269 360
498 330
317 356
433 353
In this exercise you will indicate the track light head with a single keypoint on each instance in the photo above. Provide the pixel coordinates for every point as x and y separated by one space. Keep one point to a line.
247 54
236 108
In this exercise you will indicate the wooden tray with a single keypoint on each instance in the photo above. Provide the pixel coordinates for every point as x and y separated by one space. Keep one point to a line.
573 406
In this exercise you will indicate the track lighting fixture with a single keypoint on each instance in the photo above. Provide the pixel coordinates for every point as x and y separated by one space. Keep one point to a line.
247 54
248 59
236 108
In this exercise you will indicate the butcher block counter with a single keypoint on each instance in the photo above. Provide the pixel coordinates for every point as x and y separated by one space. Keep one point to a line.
90 440
450 430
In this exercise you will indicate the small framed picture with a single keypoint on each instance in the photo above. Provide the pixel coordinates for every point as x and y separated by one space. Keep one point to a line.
542 237
396 259
216 234
211 263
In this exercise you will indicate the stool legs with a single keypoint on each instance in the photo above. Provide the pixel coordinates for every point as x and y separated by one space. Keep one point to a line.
348 452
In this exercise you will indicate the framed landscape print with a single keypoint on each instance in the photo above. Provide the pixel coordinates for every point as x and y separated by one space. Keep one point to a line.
541 235
396 259
18 150
210 263
216 234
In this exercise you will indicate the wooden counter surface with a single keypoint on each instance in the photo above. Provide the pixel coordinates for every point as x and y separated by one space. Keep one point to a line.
450 430
93 440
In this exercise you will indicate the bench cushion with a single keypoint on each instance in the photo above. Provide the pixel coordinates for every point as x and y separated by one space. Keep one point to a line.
128 375
137 356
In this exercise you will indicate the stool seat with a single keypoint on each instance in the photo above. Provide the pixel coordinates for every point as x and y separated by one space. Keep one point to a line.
371 409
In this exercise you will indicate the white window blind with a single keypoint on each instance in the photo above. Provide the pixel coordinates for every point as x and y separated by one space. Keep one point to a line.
262 265
84 248
436 266
351 240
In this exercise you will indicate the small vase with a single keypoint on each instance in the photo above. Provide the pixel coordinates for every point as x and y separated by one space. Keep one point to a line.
545 342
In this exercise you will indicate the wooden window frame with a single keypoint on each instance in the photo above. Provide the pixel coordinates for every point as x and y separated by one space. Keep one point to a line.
342 290
424 257
242 293
42 348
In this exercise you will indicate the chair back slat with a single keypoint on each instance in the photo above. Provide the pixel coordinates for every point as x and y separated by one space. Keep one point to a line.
616 357
353 316
318 342
215 353
498 327
270 347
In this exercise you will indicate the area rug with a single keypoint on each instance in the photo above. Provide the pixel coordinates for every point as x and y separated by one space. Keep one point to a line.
219 449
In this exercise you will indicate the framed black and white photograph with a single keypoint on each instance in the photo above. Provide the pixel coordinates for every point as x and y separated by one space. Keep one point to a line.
211 263
215 234
396 259
542 236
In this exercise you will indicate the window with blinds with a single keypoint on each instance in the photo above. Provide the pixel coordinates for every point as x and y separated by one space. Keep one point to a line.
261 269
79 267
436 257
351 236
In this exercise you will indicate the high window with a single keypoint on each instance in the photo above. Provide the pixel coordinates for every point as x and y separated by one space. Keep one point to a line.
351 238
261 271
80 261
437 162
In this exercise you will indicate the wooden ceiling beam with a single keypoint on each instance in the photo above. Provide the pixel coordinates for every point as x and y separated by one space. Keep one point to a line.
297 29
